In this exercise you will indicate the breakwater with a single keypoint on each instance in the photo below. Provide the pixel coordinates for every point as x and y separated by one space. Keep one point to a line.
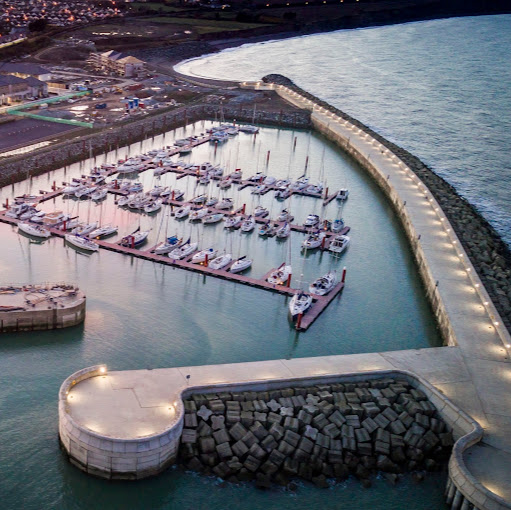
18 168
317 433
490 256
40 307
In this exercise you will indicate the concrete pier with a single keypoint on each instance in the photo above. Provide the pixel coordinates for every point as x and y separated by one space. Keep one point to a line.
128 424
39 307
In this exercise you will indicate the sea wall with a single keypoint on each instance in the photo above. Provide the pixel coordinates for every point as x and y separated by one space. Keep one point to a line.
114 458
490 256
18 168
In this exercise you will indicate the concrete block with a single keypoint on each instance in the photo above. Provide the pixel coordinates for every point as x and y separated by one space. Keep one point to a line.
257 452
291 424
362 435
221 436
258 430
233 417
217 422
405 419
247 418
397 427
304 444
247 406
204 413
304 417
189 436
274 418
224 450
383 435
249 439
320 421
260 417
233 405
337 418
277 431
237 431
311 432
323 440
285 448
207 444
239 448
381 447
190 420
268 468
269 443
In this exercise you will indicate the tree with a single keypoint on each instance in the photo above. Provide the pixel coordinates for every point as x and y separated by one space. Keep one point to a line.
38 25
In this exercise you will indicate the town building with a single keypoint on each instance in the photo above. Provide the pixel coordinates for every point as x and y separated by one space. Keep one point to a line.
14 89
25 70
114 62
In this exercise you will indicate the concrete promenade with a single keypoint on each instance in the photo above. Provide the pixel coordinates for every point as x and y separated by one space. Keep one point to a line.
474 372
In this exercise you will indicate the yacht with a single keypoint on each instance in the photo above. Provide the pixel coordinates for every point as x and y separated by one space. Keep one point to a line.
314 240
200 257
240 265
85 191
152 207
339 244
84 229
281 275
337 225
226 203
221 261
249 129
182 212
324 284
198 214
285 215
233 221
170 244
82 242
269 180
283 231
261 212
103 231
299 303
211 202
130 166
259 189
99 194
183 251
248 225
213 218
34 230
136 239
236 175
201 199
342 194
311 220
258 177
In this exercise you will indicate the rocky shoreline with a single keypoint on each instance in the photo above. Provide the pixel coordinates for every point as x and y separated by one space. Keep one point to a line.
489 254
315 433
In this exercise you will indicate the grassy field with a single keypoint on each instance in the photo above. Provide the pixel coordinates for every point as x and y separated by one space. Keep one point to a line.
206 23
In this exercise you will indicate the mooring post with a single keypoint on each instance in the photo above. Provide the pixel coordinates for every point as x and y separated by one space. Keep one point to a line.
288 284
299 320
343 279
268 157
206 260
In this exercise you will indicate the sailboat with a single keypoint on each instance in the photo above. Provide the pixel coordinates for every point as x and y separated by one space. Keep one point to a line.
280 275
170 244
240 265
324 284
183 251
221 261
299 303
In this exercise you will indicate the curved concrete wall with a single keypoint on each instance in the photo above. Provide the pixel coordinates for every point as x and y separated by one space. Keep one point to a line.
110 457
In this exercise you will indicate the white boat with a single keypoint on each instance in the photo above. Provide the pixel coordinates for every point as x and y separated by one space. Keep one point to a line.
269 180
105 230
71 224
29 214
249 129
266 229
342 194
157 191
226 203
324 284
240 265
165 192
337 225
85 191
211 202
285 215
183 251
261 212
258 190
82 242
283 231
177 194
225 183
299 303
258 177
205 179
300 184
185 150
314 240
221 261
170 244
280 275
248 225
233 221
198 214
236 175
38 217
152 207
213 218
136 187
339 244
314 189
201 255
182 212
311 220
201 199
99 194
135 239
124 200
282 183
84 229
34 230
283 193
130 166
72 189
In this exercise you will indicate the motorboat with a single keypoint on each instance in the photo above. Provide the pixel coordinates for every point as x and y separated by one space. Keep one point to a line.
283 231
248 225
99 194
165 192
285 215
34 230
337 225
324 284
135 239
139 201
84 228
170 244
225 183
72 189
198 214
157 191
299 303
233 221
282 193
85 191
213 218
240 265
300 184
183 250
130 166
226 203
261 212
342 194
71 224
177 194
221 261
269 180
204 179
314 189
311 221
232 131
201 199
200 257
55 217
282 183
185 150
17 210
152 207
182 212
339 243
216 171
314 240
29 214
211 202
104 231
136 187
124 200
82 242
280 275
236 175
258 190
38 217
249 129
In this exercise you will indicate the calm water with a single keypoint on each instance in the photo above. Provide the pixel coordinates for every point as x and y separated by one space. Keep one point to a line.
441 89
424 85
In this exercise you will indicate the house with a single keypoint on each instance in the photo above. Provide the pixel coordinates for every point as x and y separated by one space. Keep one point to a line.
25 70
117 63
14 89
